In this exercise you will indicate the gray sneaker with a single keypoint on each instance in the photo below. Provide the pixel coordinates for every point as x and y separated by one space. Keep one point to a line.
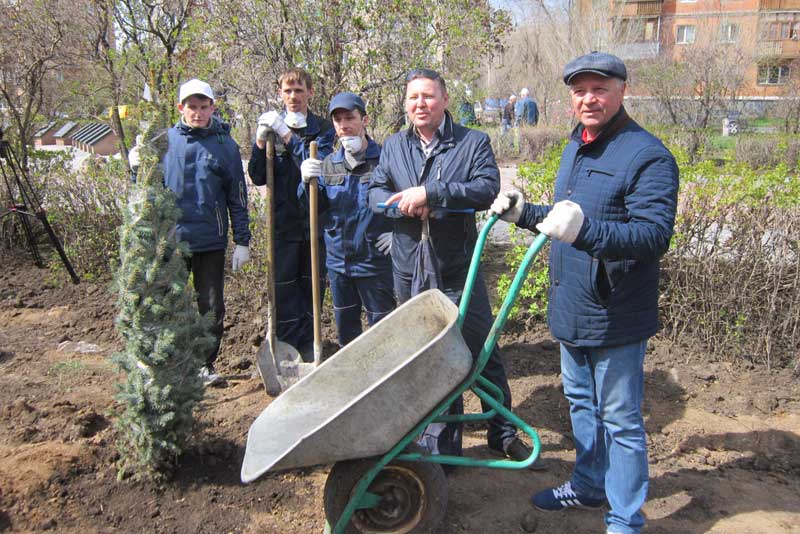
209 376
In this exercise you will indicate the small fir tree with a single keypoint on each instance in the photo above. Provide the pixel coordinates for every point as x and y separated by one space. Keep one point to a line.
165 336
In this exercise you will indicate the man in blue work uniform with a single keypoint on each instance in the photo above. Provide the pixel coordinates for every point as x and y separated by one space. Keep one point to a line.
357 240
294 130
203 168
616 195
439 163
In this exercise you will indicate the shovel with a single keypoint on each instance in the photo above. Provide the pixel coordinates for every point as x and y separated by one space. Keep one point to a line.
278 363
313 202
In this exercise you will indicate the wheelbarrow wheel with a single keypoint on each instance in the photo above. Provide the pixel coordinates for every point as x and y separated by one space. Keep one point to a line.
413 496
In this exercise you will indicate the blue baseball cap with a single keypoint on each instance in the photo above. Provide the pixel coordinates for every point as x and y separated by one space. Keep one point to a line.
607 65
348 101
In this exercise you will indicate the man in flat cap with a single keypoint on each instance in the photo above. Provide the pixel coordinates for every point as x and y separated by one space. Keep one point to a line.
616 195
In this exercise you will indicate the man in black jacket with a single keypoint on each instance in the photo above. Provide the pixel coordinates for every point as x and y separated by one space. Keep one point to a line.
437 163
295 128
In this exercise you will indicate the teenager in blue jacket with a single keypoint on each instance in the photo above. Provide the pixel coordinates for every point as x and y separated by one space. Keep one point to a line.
203 168
295 129
357 240
616 197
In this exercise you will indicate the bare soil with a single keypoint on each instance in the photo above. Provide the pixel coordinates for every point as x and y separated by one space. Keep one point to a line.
724 437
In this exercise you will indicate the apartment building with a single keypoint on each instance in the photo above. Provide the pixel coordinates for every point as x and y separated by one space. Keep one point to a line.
767 32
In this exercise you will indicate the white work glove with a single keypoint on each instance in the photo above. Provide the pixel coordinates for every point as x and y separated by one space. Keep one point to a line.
134 158
503 207
270 121
384 243
563 222
310 168
241 255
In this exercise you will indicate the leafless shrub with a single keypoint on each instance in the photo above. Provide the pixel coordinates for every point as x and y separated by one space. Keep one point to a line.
535 141
732 277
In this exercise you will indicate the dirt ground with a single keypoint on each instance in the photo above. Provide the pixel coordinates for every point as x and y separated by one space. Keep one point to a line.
724 438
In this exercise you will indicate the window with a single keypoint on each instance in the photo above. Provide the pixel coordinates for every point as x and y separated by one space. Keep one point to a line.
773 74
780 31
795 35
729 33
685 34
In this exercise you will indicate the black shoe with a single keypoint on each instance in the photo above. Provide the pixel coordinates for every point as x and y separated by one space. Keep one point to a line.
517 450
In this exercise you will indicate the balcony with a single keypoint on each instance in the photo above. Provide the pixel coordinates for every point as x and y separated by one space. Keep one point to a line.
647 50
779 5
632 8
785 49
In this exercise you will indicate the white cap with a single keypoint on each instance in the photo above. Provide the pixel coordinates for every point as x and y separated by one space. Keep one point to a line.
195 87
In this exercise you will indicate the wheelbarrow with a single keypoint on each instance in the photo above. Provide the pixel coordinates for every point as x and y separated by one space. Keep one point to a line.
363 409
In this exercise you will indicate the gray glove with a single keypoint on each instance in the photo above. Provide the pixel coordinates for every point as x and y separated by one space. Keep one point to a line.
508 205
384 243
564 222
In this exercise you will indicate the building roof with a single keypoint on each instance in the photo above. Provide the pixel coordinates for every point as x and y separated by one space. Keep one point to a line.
91 133
64 130
45 129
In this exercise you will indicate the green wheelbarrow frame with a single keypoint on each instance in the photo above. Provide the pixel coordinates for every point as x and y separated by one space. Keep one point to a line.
485 390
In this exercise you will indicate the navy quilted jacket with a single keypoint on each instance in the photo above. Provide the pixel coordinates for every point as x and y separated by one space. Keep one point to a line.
604 287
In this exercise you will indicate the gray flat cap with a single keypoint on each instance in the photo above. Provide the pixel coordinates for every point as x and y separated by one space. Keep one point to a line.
600 63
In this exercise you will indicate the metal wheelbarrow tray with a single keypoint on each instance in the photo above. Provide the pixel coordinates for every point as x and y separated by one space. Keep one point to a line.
364 399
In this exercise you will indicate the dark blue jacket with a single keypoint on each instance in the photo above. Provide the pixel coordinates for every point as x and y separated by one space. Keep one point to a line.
203 167
291 218
460 173
350 227
604 287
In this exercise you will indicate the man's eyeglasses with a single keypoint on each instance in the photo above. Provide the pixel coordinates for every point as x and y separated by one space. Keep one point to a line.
422 73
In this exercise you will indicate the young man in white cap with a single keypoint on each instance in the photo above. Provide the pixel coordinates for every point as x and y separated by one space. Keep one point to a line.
295 128
203 167
357 240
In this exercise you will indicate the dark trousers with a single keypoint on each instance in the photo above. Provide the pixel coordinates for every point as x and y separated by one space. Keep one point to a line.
350 294
477 324
293 291
208 273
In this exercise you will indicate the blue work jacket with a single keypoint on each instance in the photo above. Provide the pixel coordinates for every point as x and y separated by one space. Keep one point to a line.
350 227
460 172
203 167
604 287
291 218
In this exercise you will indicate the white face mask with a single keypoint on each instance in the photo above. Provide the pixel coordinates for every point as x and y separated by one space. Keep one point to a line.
352 144
295 119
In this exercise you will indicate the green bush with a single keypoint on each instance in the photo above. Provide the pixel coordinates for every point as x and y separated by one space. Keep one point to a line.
538 179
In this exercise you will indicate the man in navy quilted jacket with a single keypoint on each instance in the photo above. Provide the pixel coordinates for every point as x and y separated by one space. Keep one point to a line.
616 196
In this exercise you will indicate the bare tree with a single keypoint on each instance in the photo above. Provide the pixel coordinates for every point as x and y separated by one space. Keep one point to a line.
32 54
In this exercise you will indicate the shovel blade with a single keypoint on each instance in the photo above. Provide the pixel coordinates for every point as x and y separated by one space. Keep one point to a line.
281 370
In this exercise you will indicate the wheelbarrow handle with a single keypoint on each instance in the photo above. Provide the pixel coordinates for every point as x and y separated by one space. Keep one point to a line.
385 206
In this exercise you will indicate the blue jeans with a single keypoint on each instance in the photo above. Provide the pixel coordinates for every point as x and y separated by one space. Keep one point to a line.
350 294
605 389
